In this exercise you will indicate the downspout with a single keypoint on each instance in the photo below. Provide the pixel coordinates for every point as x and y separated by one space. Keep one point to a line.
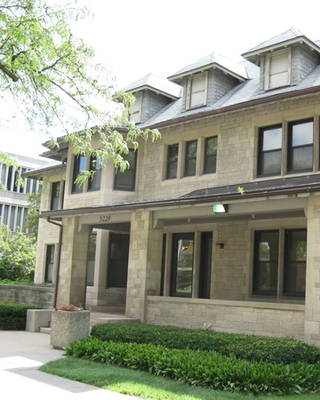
58 263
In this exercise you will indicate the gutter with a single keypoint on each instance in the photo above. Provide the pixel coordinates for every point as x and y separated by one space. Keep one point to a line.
59 261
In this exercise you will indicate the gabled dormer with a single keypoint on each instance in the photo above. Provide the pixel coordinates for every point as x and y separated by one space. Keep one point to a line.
152 94
284 60
207 80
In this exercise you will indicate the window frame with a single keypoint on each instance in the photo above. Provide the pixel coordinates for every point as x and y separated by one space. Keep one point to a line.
50 253
208 157
291 147
190 165
268 67
94 182
172 160
75 189
132 170
262 152
191 93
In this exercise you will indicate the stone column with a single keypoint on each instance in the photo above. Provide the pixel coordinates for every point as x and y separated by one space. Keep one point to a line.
73 265
144 266
312 302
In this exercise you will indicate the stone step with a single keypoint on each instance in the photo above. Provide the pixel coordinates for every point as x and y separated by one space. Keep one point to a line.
45 329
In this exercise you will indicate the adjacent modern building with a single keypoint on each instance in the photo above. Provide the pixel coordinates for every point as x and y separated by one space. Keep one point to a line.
216 224
13 192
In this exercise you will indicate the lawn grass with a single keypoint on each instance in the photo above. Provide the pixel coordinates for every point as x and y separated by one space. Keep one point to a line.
144 385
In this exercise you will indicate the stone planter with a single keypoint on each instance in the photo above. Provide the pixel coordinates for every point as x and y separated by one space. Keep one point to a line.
67 326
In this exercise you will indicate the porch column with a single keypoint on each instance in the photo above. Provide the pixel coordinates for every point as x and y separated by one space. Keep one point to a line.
144 266
312 302
73 265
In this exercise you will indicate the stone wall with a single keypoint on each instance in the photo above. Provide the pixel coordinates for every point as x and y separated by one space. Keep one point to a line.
254 318
32 295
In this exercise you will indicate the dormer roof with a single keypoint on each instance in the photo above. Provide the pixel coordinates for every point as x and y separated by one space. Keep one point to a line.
214 60
156 84
290 37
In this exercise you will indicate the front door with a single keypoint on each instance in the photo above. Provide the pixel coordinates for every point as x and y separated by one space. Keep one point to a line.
118 260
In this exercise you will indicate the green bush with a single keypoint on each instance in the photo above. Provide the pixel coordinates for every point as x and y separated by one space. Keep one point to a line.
17 255
13 317
248 347
203 368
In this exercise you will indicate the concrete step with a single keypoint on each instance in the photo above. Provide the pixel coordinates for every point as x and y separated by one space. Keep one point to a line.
45 330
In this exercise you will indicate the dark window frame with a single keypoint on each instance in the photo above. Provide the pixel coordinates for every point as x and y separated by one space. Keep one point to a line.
50 250
121 177
262 153
292 148
55 195
94 182
207 169
172 161
77 169
190 160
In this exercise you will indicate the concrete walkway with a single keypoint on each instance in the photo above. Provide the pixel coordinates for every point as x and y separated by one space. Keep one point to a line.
21 355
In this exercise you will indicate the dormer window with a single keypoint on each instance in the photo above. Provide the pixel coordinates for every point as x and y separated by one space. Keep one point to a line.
198 91
278 69
136 109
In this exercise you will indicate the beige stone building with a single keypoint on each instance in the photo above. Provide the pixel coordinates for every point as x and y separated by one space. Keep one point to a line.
215 225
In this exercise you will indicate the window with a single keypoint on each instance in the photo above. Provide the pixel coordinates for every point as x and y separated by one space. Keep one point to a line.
78 167
118 260
300 151
198 91
49 263
55 196
182 265
278 69
268 266
126 180
265 274
91 259
94 182
191 158
210 155
136 109
299 157
295 262
270 150
172 163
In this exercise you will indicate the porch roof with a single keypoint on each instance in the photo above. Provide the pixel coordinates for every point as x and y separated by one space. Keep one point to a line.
251 190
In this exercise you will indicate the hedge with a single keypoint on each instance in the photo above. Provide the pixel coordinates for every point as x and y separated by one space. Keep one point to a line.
248 347
13 317
203 368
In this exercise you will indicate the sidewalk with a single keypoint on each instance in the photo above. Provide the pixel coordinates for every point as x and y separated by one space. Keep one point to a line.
22 353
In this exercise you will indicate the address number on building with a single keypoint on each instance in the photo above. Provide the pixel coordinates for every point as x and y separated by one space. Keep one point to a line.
105 218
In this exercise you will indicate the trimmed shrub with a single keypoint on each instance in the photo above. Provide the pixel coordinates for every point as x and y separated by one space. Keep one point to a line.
203 368
13 317
248 347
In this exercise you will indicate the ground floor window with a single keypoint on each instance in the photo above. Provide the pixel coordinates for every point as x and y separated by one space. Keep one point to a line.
280 262
49 263
182 264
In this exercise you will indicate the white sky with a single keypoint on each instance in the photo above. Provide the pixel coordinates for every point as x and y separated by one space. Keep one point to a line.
137 37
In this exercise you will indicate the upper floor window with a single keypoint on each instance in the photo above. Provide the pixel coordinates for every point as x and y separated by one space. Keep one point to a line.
94 181
191 158
272 160
55 196
172 162
300 146
126 180
197 95
270 150
278 69
136 109
210 155
78 166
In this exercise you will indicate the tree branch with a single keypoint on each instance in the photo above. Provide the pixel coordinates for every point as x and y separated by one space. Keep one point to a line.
9 73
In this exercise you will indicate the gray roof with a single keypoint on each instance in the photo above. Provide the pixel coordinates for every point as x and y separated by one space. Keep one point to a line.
214 59
241 94
291 36
156 84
